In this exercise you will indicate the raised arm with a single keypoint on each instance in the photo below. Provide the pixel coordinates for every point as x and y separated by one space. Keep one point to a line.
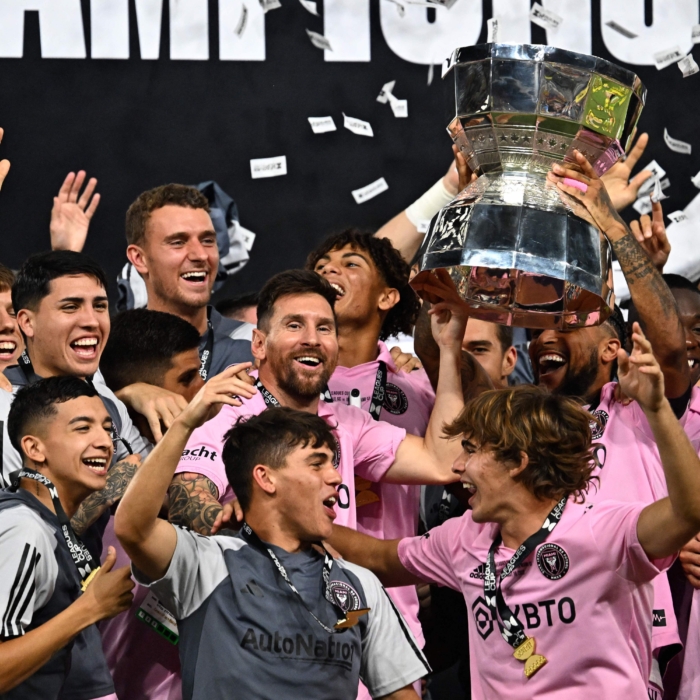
381 557
665 526
4 164
72 212
429 460
652 298
149 541
403 231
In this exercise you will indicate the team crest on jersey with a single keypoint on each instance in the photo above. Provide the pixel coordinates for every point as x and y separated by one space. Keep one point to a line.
598 426
395 400
344 596
552 561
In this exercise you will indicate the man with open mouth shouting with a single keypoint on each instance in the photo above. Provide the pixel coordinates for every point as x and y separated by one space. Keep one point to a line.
51 588
296 345
559 589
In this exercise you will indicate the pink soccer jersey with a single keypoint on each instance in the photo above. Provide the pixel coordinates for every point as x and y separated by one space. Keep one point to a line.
633 471
367 448
690 680
408 403
585 595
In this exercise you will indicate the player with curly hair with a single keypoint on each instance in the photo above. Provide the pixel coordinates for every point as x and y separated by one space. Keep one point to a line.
374 302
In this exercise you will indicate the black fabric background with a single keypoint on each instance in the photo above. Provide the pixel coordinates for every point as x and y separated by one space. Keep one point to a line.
136 124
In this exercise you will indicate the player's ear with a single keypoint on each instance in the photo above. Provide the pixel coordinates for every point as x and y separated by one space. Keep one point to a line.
388 299
33 450
264 477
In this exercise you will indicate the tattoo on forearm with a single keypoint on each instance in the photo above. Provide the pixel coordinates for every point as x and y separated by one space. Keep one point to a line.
193 502
638 268
118 478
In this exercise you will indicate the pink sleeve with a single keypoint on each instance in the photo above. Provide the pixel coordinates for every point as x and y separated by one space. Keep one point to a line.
614 529
431 556
202 454
374 444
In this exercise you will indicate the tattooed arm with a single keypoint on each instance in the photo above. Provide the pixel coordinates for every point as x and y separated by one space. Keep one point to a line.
193 502
474 378
652 298
118 478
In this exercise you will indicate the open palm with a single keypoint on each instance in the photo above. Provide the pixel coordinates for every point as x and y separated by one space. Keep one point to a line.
623 190
71 213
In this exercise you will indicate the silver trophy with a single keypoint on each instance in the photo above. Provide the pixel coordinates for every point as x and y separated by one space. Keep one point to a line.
517 254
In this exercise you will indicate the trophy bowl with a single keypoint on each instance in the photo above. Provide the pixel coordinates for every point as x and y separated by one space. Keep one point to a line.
515 251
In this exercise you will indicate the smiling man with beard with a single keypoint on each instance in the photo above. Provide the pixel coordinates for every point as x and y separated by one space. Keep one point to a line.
296 345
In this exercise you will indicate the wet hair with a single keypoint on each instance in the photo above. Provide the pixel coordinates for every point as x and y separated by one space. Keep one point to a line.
268 439
394 271
553 430
7 278
234 305
286 284
147 202
36 403
141 347
34 278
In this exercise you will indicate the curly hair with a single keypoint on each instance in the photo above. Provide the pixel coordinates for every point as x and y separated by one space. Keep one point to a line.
146 203
394 270
553 431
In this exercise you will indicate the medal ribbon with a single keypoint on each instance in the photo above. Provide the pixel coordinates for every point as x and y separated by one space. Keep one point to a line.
81 556
511 628
252 538
375 406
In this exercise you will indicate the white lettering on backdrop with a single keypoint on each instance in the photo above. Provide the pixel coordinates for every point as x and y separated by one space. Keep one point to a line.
346 26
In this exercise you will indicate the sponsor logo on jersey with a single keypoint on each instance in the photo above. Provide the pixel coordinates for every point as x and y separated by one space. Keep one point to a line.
301 646
199 452
552 561
395 400
344 596
544 613
598 426
659 619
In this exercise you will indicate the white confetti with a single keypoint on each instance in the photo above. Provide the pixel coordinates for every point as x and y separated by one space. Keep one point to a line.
696 180
657 172
268 167
688 66
357 126
491 31
431 73
423 226
676 145
310 6
371 190
665 58
242 22
621 30
386 92
268 5
695 34
319 41
657 193
677 216
544 18
642 205
247 236
399 107
320 125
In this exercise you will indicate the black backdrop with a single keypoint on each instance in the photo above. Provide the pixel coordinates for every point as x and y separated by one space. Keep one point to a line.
136 124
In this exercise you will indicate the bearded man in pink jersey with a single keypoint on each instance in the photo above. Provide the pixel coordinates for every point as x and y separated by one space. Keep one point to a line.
558 588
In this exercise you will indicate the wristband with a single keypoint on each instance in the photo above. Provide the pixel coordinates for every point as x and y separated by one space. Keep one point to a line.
429 204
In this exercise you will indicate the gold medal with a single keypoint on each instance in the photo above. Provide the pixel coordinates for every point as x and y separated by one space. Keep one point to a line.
352 617
526 652
88 580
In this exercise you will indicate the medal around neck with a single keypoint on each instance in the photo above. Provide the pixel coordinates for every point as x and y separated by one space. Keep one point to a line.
517 254
526 653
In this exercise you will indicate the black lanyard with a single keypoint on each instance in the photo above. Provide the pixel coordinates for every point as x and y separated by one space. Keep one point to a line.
25 364
345 619
379 392
81 557
272 402
208 352
511 628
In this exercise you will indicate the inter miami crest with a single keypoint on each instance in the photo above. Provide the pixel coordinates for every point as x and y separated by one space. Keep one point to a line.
395 400
344 596
598 426
552 561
